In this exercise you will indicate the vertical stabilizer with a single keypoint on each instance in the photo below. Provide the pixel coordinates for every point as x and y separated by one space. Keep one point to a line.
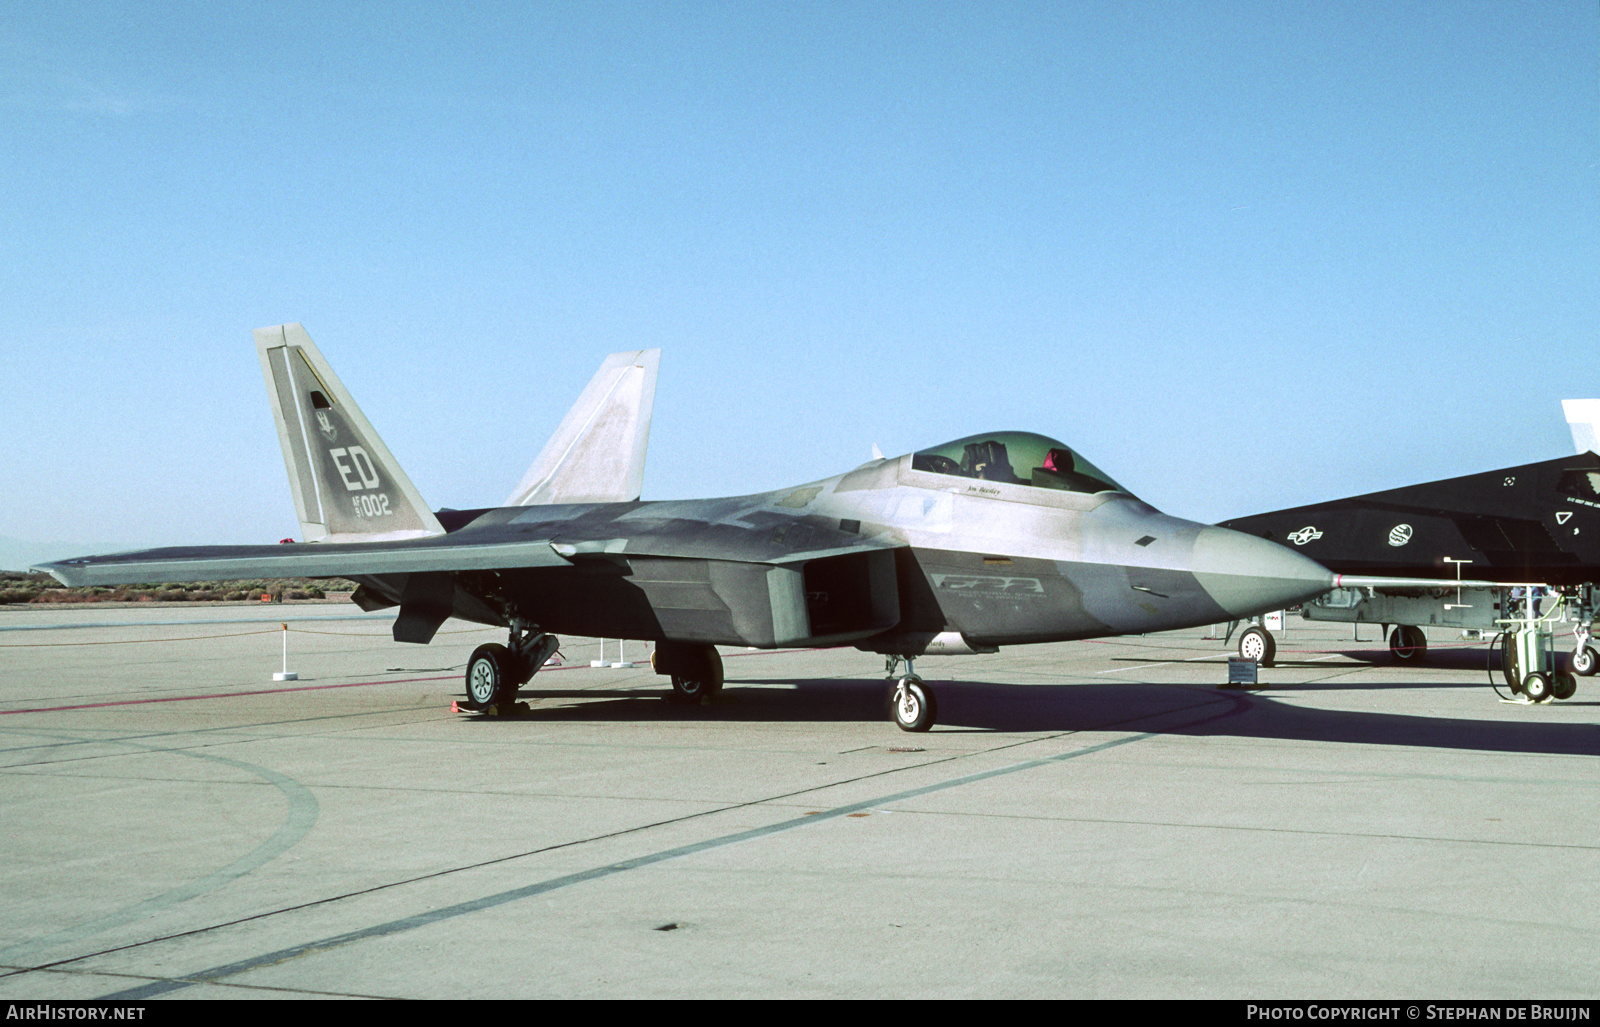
597 453
347 486
1583 417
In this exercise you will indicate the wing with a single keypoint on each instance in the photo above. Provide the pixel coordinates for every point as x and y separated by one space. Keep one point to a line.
324 560
744 571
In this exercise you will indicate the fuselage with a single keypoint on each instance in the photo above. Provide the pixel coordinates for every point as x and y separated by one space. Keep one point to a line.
1535 522
886 557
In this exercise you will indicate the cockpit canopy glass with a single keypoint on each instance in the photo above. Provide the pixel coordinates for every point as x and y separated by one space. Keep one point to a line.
1016 458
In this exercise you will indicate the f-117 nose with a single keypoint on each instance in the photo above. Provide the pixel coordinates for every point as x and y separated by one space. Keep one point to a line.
1248 575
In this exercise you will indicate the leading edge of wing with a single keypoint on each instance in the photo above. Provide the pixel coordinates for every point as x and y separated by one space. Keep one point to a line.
321 560
336 559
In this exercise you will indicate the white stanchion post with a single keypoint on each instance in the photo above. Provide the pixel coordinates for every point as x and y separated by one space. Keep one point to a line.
287 675
601 662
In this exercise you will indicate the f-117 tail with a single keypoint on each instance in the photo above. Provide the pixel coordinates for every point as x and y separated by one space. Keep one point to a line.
1583 419
347 486
597 452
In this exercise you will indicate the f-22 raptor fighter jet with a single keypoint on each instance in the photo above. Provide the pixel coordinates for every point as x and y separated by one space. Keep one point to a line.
1000 538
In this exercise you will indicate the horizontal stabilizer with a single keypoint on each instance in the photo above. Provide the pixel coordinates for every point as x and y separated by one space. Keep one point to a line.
597 453
347 485
1583 417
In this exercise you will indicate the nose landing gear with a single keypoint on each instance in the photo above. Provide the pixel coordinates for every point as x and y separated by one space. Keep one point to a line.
1257 644
912 702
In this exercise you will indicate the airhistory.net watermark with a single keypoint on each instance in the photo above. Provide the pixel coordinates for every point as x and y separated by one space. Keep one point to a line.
71 1011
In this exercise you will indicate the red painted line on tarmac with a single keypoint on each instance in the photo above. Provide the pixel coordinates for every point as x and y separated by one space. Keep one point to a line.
256 691
221 695
296 688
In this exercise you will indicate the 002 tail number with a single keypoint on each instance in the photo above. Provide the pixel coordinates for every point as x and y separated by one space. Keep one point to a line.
371 506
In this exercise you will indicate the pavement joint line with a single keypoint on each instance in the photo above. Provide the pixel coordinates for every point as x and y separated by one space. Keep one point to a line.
302 815
7 968
1259 830
161 987
403 924
248 739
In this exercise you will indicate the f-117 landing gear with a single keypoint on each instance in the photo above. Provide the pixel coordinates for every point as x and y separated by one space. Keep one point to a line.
1407 644
495 671
1256 643
912 703
1584 659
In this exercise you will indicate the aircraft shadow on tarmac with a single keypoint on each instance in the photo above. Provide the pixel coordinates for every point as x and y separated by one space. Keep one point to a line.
1125 706
1475 658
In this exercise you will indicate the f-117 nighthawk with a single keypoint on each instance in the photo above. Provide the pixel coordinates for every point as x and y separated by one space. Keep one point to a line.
1000 538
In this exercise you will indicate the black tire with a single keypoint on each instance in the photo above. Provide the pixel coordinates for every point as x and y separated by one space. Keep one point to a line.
1537 687
491 677
914 707
699 674
690 687
1584 662
1408 644
1257 644
1563 686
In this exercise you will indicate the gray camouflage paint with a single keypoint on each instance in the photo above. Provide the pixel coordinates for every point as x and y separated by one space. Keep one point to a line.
1001 564
887 556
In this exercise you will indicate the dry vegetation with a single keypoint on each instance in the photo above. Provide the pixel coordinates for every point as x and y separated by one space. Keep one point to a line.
42 588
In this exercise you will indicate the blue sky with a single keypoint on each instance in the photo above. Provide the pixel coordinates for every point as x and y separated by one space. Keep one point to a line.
1243 255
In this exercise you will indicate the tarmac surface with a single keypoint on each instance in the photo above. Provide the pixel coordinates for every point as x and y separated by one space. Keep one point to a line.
1088 819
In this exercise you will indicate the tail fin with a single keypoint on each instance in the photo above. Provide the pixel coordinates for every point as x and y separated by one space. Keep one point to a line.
1583 417
597 453
347 486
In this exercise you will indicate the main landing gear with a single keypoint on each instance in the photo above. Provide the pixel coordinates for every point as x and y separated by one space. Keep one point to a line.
696 670
1407 644
495 671
912 702
1584 660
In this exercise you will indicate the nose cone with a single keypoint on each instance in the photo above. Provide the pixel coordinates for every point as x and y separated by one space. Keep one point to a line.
1248 575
